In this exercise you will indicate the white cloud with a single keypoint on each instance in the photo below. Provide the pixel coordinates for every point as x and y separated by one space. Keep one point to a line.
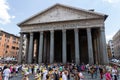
112 1
5 17
12 17
109 36
1 28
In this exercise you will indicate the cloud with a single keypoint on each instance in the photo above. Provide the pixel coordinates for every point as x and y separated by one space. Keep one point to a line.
112 1
1 28
5 17
109 36
12 17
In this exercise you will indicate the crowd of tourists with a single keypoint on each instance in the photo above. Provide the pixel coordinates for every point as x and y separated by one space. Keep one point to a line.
58 71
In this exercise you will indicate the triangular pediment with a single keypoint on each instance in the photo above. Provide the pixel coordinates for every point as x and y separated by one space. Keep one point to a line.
60 12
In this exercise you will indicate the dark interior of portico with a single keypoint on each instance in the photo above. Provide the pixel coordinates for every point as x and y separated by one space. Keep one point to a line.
58 46
46 47
70 46
35 48
83 46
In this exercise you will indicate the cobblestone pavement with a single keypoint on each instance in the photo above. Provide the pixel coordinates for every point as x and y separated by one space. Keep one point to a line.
31 77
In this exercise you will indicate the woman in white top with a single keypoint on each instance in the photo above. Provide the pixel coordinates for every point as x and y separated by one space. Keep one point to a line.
81 77
64 76
114 73
6 73
44 74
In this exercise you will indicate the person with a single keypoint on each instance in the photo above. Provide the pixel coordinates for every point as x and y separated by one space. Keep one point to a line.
80 75
96 70
118 72
56 75
101 72
87 68
92 71
0 75
48 77
60 78
114 73
16 69
6 73
44 74
72 76
82 67
64 76
38 75
25 77
108 75
60 68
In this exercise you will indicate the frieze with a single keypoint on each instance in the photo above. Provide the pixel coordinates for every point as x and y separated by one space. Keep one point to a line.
62 25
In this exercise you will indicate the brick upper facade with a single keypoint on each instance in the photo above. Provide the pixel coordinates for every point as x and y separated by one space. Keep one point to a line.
9 45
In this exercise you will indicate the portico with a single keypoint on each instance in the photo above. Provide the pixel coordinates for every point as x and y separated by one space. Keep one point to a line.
64 34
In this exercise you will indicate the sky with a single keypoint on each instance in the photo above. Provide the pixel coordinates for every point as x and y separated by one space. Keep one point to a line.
13 12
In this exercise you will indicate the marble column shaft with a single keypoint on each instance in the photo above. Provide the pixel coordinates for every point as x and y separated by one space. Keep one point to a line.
77 58
98 50
51 46
64 54
20 49
90 47
103 46
27 47
45 48
40 48
30 54
95 50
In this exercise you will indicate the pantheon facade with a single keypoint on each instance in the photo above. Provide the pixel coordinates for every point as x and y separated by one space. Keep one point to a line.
64 34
